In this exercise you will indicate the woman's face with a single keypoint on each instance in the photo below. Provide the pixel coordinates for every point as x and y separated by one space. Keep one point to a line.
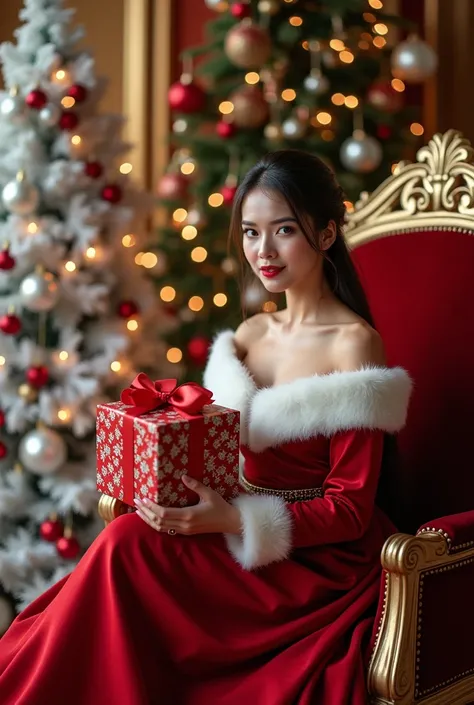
273 243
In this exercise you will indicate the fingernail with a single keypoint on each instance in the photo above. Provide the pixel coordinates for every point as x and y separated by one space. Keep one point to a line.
146 501
137 501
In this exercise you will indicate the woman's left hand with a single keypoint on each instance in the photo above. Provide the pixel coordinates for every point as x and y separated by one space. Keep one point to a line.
212 515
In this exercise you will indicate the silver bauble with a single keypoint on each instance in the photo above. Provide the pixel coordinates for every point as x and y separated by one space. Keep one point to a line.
49 115
293 129
361 153
254 296
316 83
20 197
39 291
180 126
413 60
217 5
12 108
42 451
7 615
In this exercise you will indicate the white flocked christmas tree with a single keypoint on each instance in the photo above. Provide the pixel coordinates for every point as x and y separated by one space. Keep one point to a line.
77 315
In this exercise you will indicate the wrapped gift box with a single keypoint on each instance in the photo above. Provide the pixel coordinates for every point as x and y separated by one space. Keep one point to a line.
143 453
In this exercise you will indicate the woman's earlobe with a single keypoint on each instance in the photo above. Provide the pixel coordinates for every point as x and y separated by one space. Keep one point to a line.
327 236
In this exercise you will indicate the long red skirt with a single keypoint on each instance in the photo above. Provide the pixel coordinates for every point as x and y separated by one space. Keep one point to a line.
150 619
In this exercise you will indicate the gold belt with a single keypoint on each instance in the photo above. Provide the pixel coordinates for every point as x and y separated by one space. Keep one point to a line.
287 495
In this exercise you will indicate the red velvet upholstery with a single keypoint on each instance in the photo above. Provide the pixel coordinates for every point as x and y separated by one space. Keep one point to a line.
457 528
421 291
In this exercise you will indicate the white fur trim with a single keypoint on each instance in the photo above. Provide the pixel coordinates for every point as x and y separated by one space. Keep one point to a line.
372 398
266 531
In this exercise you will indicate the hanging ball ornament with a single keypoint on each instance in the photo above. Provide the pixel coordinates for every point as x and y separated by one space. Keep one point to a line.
185 96
39 291
2 418
293 128
68 547
93 169
51 530
68 120
172 186
248 45
225 129
36 99
12 107
198 349
240 10
413 60
3 450
49 115
316 83
10 324
361 153
217 5
112 193
228 192
180 126
37 376
42 451
7 615
382 96
7 262
269 7
127 309
78 92
27 393
19 196
250 107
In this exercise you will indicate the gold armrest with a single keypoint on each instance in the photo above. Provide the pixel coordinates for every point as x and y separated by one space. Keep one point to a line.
392 678
110 508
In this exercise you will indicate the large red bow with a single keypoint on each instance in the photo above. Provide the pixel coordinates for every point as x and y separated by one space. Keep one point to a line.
145 395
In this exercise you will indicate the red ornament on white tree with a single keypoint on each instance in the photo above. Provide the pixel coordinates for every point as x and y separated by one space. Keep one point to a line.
36 99
112 193
68 121
3 450
93 169
78 92
127 309
2 418
37 376
51 530
68 546
10 324
7 262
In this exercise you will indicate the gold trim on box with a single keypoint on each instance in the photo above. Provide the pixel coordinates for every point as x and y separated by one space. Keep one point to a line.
434 193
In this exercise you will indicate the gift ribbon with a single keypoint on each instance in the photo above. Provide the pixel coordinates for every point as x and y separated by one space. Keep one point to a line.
145 395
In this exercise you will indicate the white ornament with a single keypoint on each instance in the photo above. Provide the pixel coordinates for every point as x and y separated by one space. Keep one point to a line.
39 291
180 126
42 451
196 217
361 153
7 615
413 60
293 129
217 5
20 197
316 83
12 108
49 115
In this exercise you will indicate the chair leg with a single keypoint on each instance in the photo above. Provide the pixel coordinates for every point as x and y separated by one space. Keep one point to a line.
110 508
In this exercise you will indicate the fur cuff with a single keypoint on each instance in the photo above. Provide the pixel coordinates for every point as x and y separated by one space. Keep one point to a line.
266 531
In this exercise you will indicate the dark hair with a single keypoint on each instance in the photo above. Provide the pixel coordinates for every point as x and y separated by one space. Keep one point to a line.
315 198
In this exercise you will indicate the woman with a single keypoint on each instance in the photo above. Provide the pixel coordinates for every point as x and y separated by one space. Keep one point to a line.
269 599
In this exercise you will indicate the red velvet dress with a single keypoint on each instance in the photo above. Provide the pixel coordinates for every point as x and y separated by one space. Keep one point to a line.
282 614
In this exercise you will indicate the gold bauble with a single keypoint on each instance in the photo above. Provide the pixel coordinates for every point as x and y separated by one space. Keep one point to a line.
250 107
269 7
273 132
28 393
247 45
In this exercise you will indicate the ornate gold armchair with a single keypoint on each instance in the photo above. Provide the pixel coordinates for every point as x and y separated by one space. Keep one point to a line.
412 242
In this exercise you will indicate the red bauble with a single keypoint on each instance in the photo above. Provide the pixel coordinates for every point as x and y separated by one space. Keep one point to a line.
6 260
3 450
225 129
2 418
240 10
93 169
173 187
112 193
37 376
186 97
381 95
126 309
78 92
51 530
228 192
68 547
10 324
36 99
384 132
68 121
198 349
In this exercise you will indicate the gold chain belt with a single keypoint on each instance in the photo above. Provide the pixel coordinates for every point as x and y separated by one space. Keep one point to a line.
287 495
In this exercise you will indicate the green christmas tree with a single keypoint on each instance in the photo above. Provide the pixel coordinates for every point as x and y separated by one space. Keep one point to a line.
319 76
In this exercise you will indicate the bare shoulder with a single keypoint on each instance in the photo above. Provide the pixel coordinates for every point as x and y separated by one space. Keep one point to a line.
249 331
357 345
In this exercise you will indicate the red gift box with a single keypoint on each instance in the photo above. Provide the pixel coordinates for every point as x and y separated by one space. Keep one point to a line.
158 432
